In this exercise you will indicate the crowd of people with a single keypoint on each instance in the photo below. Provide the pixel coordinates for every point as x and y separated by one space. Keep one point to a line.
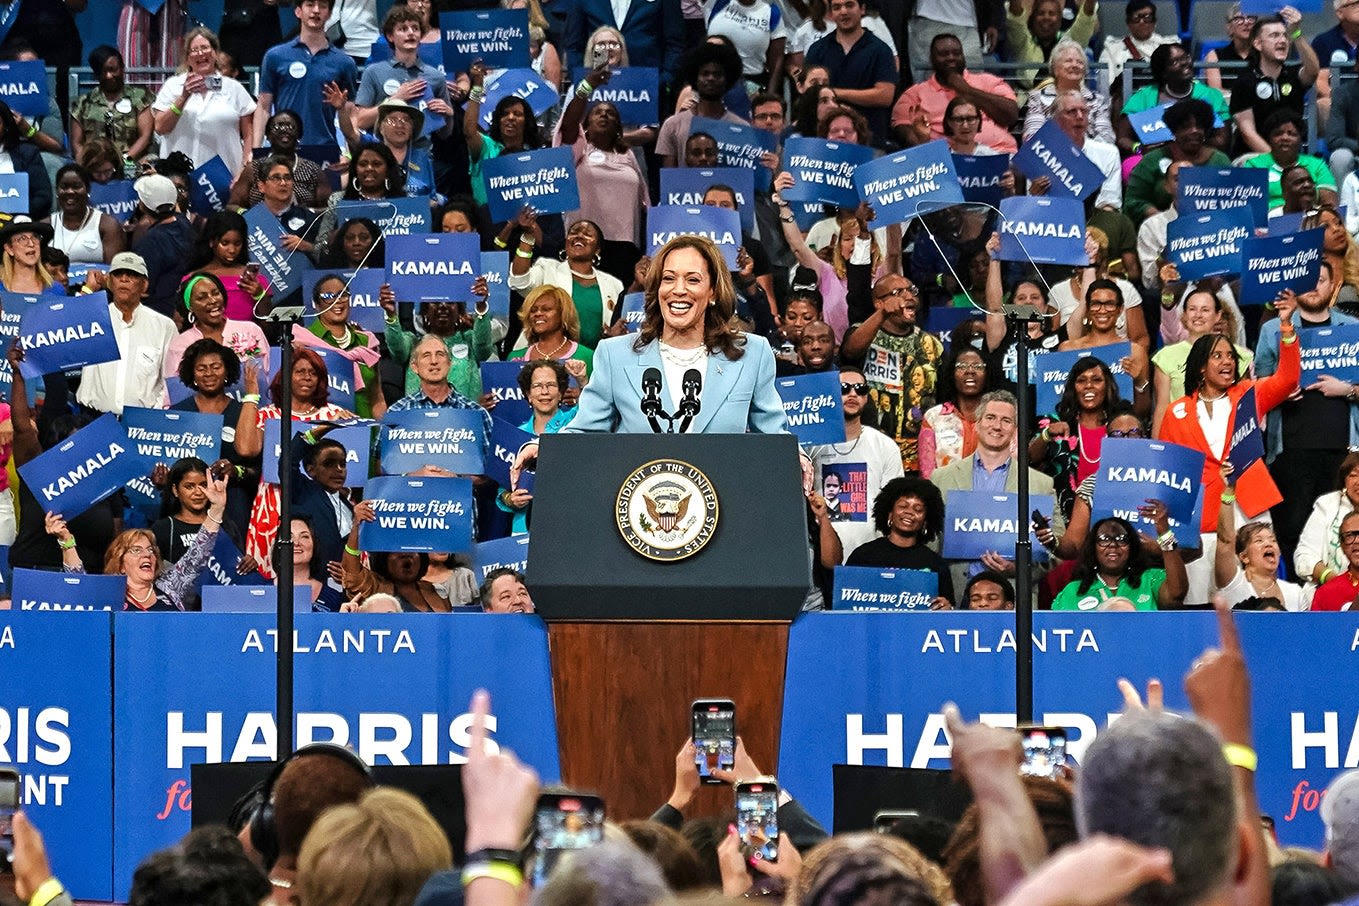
351 111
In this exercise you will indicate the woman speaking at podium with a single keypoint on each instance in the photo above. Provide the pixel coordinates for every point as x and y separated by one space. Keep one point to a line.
688 370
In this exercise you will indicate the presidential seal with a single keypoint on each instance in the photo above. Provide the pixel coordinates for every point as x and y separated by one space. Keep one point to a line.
666 510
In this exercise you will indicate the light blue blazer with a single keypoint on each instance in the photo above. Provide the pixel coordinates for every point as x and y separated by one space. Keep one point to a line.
738 397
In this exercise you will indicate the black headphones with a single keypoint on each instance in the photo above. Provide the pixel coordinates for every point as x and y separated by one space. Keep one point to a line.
263 832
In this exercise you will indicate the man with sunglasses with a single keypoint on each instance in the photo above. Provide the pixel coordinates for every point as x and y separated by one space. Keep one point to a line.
900 363
857 467
992 468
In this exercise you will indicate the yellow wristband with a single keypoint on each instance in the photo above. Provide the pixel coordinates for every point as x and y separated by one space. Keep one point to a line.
500 871
47 891
1240 756
1228 497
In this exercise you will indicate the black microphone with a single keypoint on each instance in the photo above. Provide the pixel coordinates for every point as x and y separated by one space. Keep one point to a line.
690 387
651 398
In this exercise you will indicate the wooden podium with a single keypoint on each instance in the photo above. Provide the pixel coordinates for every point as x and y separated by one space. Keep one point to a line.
634 640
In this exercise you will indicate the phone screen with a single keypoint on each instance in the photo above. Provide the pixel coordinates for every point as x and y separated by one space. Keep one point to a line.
757 820
9 804
1044 751
714 732
564 822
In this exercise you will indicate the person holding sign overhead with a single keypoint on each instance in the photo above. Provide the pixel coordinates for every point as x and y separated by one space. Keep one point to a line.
513 129
1034 29
909 512
134 554
466 336
1205 419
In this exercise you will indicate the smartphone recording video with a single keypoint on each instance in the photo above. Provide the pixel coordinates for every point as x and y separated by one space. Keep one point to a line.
757 819
714 735
563 822
1044 751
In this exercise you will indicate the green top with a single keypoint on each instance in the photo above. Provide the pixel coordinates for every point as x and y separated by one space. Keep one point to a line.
1143 595
489 148
1147 183
1024 49
467 349
1321 174
590 306
1149 96
363 404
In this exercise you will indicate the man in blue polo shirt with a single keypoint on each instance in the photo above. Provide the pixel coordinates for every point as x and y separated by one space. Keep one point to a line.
295 72
861 68
405 76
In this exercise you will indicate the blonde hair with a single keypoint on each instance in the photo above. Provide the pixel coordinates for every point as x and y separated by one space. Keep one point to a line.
378 851
570 317
590 43
8 271
188 39
837 258
122 542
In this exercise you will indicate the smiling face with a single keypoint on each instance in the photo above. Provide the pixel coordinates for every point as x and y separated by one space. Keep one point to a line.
582 241
284 132
396 128
545 394
73 196
685 291
1113 546
907 518
946 57
1200 314
1046 19
1069 68
24 248
333 305
207 303
1189 137
1091 389
508 595
817 346
1239 26
1103 307
1179 66
1142 23
512 120
304 545
202 56
996 427
545 316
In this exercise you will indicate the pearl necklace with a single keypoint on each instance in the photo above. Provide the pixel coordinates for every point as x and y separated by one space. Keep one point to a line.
343 342
675 357
556 353
142 601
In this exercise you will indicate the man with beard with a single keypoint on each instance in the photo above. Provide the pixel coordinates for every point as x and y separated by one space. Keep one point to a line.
858 467
815 351
1309 434
900 360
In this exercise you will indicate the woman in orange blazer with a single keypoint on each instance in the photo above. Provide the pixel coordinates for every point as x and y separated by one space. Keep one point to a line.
1204 420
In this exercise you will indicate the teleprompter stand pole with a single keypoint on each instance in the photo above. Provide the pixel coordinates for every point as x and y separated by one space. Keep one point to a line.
1019 318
